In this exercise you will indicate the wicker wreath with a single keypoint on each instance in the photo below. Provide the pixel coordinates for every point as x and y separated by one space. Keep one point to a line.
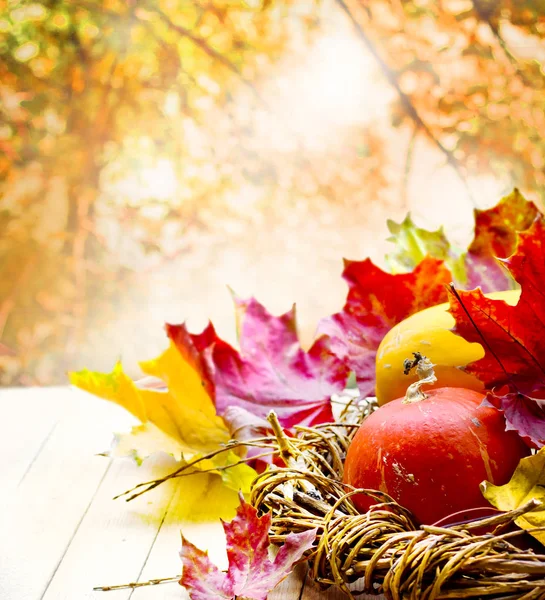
384 547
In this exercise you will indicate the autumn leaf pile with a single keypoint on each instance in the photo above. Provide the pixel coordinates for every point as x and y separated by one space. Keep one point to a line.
201 391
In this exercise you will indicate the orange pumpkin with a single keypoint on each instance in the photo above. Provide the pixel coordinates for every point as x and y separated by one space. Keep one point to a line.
431 454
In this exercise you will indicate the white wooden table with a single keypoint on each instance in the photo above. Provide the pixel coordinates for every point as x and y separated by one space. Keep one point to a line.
61 533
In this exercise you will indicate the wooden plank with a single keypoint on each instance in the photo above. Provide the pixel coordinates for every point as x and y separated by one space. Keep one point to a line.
293 587
113 540
40 517
62 534
334 593
34 423
299 586
163 559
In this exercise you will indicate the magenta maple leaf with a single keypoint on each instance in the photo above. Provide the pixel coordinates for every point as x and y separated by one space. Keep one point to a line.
376 302
250 574
513 338
271 371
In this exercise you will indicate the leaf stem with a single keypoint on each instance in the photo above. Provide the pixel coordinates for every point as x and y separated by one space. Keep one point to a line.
426 376
286 450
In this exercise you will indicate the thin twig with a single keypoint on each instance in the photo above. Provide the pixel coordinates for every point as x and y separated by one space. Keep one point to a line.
136 584
264 442
384 546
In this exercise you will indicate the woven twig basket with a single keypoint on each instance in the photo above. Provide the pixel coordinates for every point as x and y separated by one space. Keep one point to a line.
384 546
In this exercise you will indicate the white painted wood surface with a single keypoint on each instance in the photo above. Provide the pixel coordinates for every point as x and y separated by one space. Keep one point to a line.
61 532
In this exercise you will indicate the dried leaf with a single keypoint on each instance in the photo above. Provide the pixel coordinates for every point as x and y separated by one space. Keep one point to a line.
376 302
496 228
180 420
192 346
245 426
271 371
143 441
413 244
250 574
184 412
495 237
527 483
201 578
202 497
513 337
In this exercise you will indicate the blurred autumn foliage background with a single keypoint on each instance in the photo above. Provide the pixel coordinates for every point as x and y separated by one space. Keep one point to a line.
153 151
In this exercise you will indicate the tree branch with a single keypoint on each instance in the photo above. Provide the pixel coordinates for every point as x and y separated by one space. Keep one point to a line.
217 56
485 14
228 64
406 101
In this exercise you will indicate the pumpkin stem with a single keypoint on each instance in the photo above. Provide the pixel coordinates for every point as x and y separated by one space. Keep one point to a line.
426 375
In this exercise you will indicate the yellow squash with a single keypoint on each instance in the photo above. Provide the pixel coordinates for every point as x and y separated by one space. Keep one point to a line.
428 332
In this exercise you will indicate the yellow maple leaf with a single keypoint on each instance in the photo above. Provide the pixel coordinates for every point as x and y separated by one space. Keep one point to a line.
202 495
180 421
527 483
145 440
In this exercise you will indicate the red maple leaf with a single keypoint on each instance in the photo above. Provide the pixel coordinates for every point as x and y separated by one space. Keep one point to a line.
513 338
271 371
496 237
250 574
376 302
